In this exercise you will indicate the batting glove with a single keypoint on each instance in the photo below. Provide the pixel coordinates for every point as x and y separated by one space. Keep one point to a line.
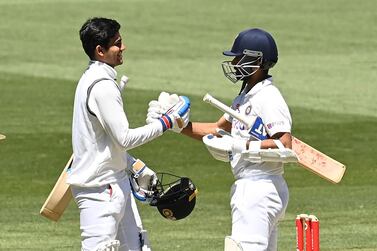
155 111
157 108
145 177
178 116
224 148
172 111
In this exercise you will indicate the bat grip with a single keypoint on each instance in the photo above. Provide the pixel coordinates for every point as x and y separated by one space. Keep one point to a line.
247 121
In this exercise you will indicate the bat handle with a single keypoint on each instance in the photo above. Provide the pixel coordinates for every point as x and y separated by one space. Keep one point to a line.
207 98
247 121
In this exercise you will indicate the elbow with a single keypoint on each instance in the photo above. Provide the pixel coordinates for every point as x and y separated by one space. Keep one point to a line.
286 140
122 141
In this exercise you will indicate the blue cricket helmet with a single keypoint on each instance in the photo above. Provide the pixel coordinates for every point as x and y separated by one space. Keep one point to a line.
255 40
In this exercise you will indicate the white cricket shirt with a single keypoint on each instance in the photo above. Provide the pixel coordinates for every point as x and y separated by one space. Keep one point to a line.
100 129
263 100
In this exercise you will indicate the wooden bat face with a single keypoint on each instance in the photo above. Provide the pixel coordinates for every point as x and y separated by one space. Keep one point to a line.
59 197
317 162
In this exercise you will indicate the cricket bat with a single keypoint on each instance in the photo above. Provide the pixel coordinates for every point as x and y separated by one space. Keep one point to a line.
309 157
59 197
2 137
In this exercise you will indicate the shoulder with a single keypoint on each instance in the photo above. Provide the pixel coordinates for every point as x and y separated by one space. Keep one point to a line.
270 96
270 92
104 87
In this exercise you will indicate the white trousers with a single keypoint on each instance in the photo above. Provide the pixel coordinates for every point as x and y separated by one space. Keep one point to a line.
258 203
108 213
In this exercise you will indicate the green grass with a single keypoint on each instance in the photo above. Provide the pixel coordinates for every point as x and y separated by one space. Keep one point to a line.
326 71
38 145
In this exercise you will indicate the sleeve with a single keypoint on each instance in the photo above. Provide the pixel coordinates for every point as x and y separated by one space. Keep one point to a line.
106 103
275 114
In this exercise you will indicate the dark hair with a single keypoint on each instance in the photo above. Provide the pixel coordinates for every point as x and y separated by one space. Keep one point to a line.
97 31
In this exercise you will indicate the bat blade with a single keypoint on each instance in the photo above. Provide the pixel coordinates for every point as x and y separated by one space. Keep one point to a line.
318 162
309 157
231 245
2 137
59 197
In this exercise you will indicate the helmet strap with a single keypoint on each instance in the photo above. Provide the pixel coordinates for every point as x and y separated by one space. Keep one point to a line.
244 83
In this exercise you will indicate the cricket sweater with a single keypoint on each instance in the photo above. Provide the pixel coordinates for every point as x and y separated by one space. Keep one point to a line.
100 130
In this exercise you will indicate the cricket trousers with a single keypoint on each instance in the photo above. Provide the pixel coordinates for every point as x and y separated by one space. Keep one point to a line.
108 213
258 203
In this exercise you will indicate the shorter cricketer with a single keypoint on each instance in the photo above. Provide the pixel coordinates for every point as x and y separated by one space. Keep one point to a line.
259 196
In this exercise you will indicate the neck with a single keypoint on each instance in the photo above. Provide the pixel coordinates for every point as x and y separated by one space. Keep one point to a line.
255 79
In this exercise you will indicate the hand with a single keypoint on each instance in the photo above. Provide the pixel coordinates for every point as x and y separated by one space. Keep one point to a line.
155 111
157 108
225 147
167 100
172 111
179 114
145 177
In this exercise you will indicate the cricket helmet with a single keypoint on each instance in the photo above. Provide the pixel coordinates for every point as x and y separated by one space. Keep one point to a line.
257 49
175 196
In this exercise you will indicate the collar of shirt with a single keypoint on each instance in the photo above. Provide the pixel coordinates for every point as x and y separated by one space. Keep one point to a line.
259 86
107 68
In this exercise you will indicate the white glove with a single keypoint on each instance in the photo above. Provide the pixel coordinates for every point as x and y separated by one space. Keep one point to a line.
225 147
280 154
180 114
172 111
157 108
155 111
167 100
145 177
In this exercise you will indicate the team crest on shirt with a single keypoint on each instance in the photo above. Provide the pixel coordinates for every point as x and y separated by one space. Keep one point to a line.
248 110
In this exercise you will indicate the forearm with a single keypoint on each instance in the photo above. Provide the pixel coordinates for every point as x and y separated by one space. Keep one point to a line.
197 130
117 127
285 139
135 137
107 105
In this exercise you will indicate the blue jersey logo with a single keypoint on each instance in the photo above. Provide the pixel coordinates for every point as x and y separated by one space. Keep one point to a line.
258 130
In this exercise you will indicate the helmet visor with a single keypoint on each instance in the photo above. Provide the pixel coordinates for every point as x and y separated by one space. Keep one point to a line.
242 69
